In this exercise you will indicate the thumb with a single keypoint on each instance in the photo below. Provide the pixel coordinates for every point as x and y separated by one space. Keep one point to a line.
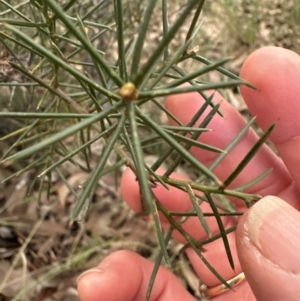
268 244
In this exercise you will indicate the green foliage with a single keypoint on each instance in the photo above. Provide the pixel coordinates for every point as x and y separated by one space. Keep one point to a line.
90 92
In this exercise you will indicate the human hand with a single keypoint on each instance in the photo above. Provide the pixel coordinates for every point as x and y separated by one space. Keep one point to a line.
266 245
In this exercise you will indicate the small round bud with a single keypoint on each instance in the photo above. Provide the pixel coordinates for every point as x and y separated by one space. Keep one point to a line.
128 92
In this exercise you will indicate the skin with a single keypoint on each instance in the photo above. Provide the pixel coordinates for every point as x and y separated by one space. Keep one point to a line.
266 244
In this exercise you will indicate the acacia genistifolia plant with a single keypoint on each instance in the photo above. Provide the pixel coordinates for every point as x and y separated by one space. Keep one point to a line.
81 92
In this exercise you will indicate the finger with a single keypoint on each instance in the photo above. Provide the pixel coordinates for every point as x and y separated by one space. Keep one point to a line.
224 131
177 200
215 250
276 74
124 276
268 245
173 199
241 292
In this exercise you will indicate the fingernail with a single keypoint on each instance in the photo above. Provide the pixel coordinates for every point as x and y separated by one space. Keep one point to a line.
91 271
273 227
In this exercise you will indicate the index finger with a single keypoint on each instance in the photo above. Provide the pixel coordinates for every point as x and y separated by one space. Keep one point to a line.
276 74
